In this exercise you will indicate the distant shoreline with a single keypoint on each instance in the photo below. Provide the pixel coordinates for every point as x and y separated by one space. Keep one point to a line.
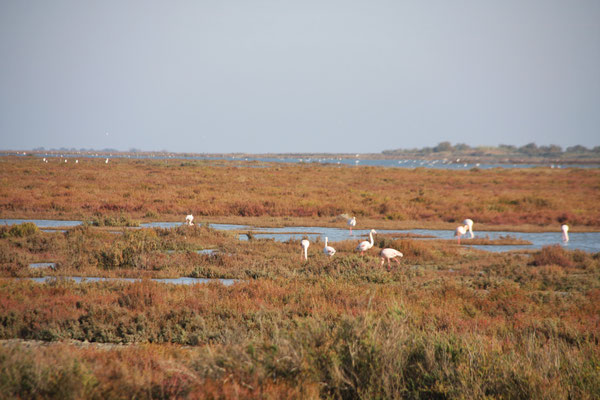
449 156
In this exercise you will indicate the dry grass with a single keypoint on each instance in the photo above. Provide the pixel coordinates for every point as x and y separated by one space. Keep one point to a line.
147 190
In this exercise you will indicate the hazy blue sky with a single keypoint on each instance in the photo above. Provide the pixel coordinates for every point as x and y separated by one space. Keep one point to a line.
298 76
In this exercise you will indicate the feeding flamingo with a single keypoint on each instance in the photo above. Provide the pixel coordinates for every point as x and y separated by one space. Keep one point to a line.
390 254
304 243
330 251
469 224
365 245
565 232
188 219
351 223
461 230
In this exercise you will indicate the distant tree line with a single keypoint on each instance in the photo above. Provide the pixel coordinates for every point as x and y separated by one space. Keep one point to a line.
530 150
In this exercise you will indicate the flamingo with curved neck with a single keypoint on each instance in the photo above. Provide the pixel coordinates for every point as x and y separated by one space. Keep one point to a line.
389 254
469 224
328 250
366 245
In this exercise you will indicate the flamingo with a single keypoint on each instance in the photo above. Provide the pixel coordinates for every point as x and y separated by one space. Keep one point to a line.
461 230
351 223
364 245
188 219
330 251
106 162
305 243
565 232
390 254
469 224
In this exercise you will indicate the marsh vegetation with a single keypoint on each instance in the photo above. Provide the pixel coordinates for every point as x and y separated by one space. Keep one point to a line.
450 322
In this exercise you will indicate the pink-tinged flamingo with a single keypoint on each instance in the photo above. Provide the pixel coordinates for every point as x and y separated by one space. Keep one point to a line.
328 250
469 224
461 230
351 223
565 232
188 220
389 254
364 245
304 243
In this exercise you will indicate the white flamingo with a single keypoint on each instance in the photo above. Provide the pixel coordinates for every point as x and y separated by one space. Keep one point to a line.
469 224
351 223
106 162
390 254
565 232
188 219
461 230
330 251
366 245
304 243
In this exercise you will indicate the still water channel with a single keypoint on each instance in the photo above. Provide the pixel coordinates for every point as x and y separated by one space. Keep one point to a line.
587 241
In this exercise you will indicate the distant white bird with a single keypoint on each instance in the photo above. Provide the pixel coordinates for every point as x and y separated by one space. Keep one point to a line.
328 250
188 219
76 161
106 162
351 223
44 159
304 243
565 232
461 230
469 224
364 245
390 254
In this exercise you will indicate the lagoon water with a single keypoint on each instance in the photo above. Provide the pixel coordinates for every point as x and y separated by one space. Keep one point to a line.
43 265
174 281
587 241
453 164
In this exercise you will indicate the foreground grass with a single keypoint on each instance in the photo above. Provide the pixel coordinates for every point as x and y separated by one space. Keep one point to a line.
451 322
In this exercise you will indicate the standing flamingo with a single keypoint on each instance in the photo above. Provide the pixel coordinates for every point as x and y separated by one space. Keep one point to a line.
351 223
304 243
461 230
188 219
364 245
565 232
330 251
390 254
469 224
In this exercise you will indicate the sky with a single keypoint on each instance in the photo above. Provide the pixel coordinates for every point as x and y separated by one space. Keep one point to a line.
298 76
